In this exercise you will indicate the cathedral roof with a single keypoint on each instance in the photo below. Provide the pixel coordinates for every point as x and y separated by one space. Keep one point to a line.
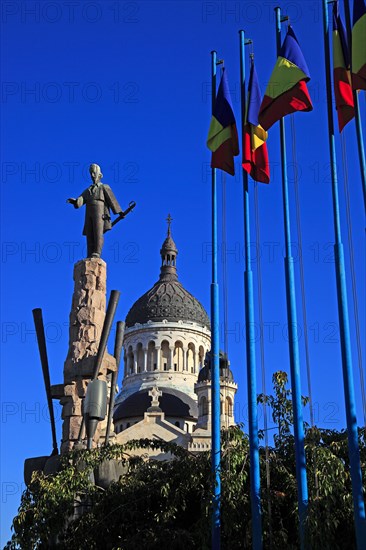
172 402
167 299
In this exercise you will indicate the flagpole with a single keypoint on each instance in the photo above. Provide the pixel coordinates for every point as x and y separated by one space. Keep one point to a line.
250 336
352 432
360 145
215 343
302 487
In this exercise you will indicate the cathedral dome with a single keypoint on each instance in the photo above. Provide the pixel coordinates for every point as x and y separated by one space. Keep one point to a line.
225 371
167 299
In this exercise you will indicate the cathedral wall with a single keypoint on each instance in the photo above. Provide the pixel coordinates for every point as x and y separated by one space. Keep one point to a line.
169 354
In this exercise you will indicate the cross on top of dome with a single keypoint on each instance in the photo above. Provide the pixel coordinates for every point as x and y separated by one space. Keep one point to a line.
169 220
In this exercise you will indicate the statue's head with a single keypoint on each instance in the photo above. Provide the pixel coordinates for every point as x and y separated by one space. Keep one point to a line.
95 173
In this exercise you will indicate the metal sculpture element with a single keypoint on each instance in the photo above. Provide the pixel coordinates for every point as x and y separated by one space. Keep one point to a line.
117 354
38 321
97 399
99 200
95 406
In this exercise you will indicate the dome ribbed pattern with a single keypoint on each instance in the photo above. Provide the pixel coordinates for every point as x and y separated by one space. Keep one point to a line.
170 301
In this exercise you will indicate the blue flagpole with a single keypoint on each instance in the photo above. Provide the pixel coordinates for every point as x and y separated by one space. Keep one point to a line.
301 477
250 337
352 432
215 343
361 149
360 145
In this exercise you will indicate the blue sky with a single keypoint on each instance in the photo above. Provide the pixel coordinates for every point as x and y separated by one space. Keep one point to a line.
127 85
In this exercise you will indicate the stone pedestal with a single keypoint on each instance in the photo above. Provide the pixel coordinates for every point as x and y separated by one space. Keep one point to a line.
86 323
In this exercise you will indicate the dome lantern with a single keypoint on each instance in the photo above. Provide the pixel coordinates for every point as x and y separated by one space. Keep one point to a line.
168 252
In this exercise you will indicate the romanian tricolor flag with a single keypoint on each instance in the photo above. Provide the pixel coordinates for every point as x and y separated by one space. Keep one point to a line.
359 45
341 72
287 91
222 137
255 154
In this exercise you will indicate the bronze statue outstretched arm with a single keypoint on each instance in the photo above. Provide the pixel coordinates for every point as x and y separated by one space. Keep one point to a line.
76 202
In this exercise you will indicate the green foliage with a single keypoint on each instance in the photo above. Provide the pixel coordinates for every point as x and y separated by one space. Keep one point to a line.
154 501
167 504
281 405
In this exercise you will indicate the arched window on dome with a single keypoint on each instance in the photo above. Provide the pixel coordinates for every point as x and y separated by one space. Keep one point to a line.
130 360
140 357
186 427
201 356
151 356
178 356
177 424
164 355
228 406
125 363
191 357
203 406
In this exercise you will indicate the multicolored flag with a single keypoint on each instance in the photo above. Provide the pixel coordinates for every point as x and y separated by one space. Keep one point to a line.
287 91
341 72
222 137
359 45
255 154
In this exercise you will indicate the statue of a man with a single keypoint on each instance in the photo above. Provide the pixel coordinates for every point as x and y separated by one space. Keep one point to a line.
99 200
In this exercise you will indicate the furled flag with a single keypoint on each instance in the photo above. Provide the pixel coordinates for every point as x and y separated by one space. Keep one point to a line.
255 154
359 45
341 72
287 91
222 137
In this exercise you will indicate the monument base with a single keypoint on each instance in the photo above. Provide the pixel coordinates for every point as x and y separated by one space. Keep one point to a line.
86 322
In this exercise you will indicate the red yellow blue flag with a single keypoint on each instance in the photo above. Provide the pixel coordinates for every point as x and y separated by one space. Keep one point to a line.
222 137
341 72
359 45
287 91
255 154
